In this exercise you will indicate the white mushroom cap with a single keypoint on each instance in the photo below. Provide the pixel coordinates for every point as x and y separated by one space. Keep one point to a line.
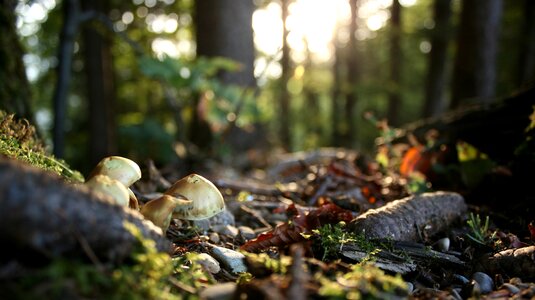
110 188
160 210
203 198
118 168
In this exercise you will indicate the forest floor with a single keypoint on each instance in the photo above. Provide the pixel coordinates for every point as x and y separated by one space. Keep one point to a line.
298 226
325 224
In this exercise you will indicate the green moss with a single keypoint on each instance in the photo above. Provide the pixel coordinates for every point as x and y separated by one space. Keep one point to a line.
362 282
18 140
147 275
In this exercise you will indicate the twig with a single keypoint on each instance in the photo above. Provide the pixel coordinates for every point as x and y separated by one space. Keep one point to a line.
255 214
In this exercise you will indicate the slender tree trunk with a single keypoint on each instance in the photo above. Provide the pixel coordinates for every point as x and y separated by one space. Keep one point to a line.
100 87
438 58
474 74
352 79
284 98
15 96
336 135
71 12
527 40
394 97
224 28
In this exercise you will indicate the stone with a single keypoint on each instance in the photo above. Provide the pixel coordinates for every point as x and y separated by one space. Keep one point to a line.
208 262
486 284
232 260
247 233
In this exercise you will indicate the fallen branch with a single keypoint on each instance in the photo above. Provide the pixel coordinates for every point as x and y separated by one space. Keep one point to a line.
42 214
512 262
407 219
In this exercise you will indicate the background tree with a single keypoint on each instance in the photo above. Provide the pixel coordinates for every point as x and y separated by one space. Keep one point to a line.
526 62
15 96
352 79
284 97
394 88
434 100
474 73
100 84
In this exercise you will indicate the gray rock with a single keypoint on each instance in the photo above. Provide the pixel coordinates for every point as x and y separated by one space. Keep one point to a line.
247 233
204 225
229 230
223 218
209 263
486 284
221 291
512 289
410 287
232 260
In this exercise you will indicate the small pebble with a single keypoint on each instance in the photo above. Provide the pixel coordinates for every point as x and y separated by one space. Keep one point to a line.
246 232
209 263
221 291
486 284
214 237
443 244
204 225
512 289
231 259
410 287
228 230
460 279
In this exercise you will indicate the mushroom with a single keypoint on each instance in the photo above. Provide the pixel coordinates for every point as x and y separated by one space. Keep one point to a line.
118 168
202 198
109 188
160 210
122 169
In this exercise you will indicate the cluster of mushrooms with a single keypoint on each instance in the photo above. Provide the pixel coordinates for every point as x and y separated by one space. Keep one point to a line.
190 198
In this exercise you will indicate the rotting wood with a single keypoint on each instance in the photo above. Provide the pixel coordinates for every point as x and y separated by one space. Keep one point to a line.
407 219
512 262
41 214
402 257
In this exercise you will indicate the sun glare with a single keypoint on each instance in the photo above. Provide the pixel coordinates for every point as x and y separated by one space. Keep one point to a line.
313 25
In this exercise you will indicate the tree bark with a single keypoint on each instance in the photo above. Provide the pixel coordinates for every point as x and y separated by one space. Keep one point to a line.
474 74
527 40
284 98
438 58
394 92
41 214
352 79
71 12
15 96
336 126
224 28
101 94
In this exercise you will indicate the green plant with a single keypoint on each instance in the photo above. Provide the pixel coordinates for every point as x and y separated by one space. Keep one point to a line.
480 232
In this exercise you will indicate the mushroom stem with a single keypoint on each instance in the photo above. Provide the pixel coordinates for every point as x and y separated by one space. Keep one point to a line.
160 210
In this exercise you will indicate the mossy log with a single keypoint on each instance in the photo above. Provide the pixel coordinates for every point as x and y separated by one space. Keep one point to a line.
42 214
411 218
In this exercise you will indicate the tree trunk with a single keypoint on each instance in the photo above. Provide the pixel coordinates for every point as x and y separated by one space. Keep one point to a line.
71 11
438 58
352 79
527 40
474 74
100 87
336 133
15 96
394 97
284 98
224 28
